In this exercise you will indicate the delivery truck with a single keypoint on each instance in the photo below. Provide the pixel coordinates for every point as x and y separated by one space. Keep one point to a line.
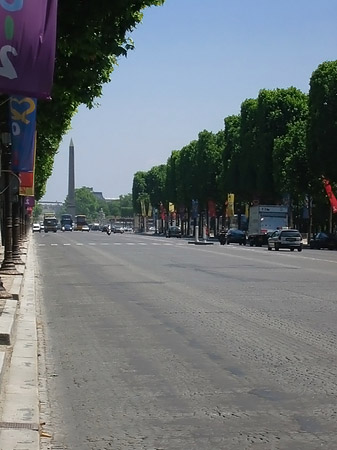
263 219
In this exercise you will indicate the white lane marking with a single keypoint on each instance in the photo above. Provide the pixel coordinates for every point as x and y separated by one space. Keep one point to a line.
105 243
42 245
66 244
117 243
54 245
142 243
130 243
79 243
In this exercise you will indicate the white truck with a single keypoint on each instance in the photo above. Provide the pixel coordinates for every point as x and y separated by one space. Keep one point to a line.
263 219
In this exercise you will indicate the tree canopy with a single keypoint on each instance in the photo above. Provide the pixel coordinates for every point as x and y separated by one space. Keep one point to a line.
90 40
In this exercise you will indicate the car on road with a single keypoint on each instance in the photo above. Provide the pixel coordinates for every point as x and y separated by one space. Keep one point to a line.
234 236
117 229
285 238
173 231
67 227
85 228
324 240
36 227
95 227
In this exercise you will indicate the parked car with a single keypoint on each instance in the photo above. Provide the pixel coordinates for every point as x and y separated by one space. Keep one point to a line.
173 231
324 240
36 227
285 238
234 236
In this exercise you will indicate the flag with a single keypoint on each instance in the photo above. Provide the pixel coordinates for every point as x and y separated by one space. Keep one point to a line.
22 125
27 177
162 211
142 207
230 205
195 207
211 208
27 47
330 194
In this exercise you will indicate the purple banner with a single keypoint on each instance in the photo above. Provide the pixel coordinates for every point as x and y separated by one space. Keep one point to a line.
22 125
27 47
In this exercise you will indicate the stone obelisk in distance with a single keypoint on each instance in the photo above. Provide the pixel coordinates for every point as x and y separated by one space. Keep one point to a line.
71 181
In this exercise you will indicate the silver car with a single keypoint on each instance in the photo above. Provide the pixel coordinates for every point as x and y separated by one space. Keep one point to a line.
285 238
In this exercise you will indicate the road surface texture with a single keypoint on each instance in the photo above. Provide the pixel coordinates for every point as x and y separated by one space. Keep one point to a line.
150 343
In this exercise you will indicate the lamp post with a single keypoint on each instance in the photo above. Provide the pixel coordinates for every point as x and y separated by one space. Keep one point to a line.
8 265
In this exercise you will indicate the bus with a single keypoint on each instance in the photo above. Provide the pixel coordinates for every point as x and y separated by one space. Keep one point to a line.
80 221
66 222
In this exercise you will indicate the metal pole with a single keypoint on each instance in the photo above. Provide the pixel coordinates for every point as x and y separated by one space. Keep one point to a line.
8 265
16 232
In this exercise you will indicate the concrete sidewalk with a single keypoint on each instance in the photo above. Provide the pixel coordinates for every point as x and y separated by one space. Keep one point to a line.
19 401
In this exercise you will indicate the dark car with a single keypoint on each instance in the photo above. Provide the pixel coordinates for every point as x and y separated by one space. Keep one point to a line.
236 237
67 227
173 231
324 240
116 229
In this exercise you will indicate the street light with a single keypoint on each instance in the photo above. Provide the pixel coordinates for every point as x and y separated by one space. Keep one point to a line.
7 265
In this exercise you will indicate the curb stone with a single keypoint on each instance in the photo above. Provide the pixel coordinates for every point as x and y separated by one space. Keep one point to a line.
7 322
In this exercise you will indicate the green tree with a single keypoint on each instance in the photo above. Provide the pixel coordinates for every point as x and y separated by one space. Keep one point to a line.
155 183
231 154
37 211
188 174
248 137
126 208
322 120
208 162
139 191
171 180
276 110
86 203
290 158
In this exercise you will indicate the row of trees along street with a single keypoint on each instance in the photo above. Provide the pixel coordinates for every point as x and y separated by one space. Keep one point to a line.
278 147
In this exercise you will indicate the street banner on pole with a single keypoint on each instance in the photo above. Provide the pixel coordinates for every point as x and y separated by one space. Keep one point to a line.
27 178
211 208
230 206
27 47
330 194
22 126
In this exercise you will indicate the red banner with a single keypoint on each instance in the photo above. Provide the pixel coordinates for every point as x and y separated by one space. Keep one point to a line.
330 194
211 208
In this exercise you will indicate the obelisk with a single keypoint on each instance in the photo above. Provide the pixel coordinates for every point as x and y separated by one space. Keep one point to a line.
71 181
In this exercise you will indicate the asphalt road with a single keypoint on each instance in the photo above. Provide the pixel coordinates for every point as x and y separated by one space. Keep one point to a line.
154 343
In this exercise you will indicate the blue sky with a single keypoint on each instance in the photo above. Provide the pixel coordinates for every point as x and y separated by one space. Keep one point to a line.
194 63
